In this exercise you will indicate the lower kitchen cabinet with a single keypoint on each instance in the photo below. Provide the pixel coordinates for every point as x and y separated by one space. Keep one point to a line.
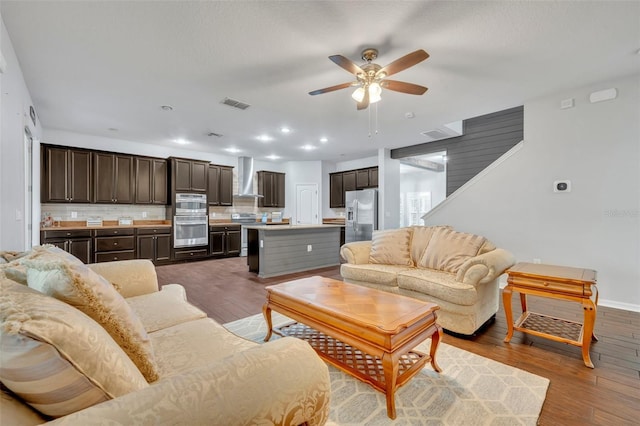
78 242
154 244
190 253
224 241
114 244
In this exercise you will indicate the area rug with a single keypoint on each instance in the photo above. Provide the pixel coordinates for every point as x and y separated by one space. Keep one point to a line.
471 390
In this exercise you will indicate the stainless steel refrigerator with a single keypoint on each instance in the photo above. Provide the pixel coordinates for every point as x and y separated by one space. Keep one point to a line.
362 214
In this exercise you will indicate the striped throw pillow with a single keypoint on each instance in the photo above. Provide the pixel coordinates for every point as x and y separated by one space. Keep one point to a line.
56 358
391 247
448 250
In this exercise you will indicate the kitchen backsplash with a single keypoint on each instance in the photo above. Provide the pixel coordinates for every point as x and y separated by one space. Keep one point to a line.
64 212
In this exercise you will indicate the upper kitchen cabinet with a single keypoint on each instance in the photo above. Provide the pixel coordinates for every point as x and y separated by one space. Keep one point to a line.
350 180
151 180
65 175
336 193
189 175
367 178
271 187
113 178
220 190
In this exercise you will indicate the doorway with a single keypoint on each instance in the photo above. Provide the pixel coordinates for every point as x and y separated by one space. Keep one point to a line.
306 204
423 185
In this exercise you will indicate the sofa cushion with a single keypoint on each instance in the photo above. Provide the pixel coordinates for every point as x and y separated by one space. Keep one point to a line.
448 249
191 344
370 273
391 247
165 308
442 285
55 357
76 284
421 235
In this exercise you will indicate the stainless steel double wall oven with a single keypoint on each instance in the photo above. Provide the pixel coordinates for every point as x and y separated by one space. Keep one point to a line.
191 221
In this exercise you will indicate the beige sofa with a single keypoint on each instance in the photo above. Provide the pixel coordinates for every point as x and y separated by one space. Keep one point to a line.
457 271
171 364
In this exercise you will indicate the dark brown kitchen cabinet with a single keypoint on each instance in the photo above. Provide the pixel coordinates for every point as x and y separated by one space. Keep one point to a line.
189 175
220 188
151 184
114 244
113 178
271 187
367 178
224 240
350 180
78 242
65 175
154 244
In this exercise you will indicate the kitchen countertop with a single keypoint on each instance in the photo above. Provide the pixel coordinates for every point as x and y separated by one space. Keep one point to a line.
107 224
288 227
333 220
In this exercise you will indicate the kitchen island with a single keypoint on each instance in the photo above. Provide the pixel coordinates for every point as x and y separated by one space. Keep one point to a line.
274 250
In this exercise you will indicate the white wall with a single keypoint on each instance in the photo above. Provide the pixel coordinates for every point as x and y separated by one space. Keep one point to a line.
597 224
388 190
15 102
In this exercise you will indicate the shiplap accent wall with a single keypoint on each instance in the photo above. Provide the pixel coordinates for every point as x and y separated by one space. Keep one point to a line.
484 140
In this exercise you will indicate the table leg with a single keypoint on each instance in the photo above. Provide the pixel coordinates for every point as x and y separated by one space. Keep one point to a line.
266 311
587 331
390 367
523 302
435 340
506 301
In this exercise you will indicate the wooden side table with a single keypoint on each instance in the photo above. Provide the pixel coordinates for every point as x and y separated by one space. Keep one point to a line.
556 282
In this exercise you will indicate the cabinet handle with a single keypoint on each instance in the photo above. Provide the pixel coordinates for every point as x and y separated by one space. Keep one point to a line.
115 257
191 254
115 244
68 234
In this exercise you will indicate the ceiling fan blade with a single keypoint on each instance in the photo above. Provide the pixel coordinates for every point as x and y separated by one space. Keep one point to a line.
331 89
347 64
365 100
401 86
403 63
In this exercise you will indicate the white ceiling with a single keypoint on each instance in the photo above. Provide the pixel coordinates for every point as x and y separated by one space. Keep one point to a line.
91 66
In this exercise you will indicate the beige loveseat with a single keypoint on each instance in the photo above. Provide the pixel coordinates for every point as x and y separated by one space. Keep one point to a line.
103 345
457 271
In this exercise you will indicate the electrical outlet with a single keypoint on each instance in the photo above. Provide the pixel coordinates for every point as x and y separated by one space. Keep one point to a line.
261 243
309 248
74 215
537 261
144 215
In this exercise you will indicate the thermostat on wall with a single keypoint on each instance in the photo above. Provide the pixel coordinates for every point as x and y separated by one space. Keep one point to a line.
562 186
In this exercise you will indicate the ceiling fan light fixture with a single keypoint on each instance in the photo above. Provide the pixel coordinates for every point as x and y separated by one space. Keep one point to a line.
374 93
358 94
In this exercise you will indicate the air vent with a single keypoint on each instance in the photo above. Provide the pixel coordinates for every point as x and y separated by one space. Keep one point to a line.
436 134
235 103
212 134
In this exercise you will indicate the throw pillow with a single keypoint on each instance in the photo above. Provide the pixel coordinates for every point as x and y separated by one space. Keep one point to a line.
391 247
56 358
448 249
79 286
420 239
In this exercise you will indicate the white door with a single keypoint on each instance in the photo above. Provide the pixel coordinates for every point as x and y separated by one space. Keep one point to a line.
307 204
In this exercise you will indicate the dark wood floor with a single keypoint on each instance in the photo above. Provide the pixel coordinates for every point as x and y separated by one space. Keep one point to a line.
606 395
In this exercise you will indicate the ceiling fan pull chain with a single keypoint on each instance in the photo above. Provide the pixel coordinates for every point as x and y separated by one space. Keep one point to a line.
369 112
376 106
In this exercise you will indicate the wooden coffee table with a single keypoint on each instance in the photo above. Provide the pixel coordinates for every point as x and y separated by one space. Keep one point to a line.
367 333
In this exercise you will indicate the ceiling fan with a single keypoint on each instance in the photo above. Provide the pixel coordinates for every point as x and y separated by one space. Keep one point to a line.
372 78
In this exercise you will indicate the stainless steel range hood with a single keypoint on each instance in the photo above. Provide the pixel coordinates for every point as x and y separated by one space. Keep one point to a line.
245 178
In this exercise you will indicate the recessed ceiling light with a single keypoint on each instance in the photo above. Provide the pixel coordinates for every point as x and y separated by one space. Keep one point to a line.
181 141
233 150
166 108
324 140
308 147
264 138
285 130
273 157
